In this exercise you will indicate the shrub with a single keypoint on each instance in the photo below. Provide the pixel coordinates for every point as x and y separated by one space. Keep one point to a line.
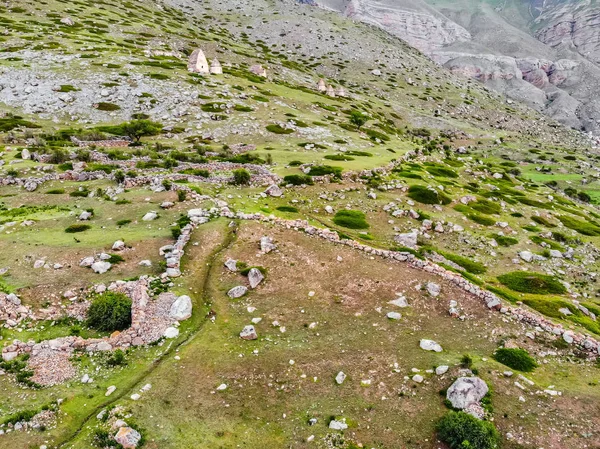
298 180
123 222
287 209
486 207
277 129
55 191
468 264
117 358
543 221
427 196
442 172
503 240
338 157
481 219
459 430
322 170
102 106
351 219
181 195
77 228
583 227
241 177
515 358
526 282
110 312
116 259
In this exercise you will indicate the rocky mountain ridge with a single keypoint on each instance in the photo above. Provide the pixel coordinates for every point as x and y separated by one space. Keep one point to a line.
545 54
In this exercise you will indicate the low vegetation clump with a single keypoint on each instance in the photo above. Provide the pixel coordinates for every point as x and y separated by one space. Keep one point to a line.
504 240
291 209
298 180
459 430
103 106
515 358
110 312
467 263
278 129
339 157
323 170
427 196
55 191
241 176
583 227
77 228
351 219
534 283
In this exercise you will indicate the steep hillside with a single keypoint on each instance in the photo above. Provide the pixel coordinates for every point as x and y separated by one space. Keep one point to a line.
541 53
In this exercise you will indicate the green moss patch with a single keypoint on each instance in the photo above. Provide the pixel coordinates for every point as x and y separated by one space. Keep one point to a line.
351 219
534 283
515 358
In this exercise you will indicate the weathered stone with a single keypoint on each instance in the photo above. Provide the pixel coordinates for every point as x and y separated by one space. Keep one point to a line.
128 437
237 292
466 391
181 309
430 345
248 333
86 262
171 332
433 289
267 245
119 245
340 378
408 240
101 267
150 216
255 277
394 315
442 369
231 265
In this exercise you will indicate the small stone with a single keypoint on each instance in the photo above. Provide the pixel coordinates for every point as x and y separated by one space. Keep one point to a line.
248 333
237 292
430 345
340 378
442 369
171 332
394 315
110 390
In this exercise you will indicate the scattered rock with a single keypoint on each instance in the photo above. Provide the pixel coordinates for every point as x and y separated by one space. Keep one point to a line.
430 345
255 277
340 378
237 292
181 309
466 391
128 437
248 333
433 289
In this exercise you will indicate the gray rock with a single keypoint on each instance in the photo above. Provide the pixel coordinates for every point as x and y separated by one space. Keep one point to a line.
255 277
400 301
150 216
527 256
101 267
267 245
231 265
237 292
442 369
128 437
466 391
409 239
394 315
274 190
248 333
181 309
340 378
430 345
171 332
337 425
433 289
119 245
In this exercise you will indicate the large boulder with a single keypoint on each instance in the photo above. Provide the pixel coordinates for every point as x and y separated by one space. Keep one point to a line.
274 190
248 333
430 345
408 240
255 277
237 292
181 309
466 392
101 267
267 245
128 438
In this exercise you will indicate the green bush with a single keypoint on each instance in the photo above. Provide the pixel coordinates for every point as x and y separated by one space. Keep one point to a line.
468 264
102 106
110 312
535 283
481 219
486 207
298 180
459 430
515 358
442 172
550 307
427 196
351 219
77 228
583 227
117 358
241 177
503 240
338 157
291 209
123 222
55 191
277 129
322 170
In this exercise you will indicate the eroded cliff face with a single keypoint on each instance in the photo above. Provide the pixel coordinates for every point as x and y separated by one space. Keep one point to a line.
501 48
421 28
573 25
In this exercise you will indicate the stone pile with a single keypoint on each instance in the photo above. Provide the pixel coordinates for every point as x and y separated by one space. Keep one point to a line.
12 312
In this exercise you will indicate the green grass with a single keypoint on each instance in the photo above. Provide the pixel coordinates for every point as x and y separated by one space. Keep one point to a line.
504 240
290 209
298 180
533 283
351 219
103 106
278 129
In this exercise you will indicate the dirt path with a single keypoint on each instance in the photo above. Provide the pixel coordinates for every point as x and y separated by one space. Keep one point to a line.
229 239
